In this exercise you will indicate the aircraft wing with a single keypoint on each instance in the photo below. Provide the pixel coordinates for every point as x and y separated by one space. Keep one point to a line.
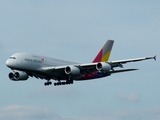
118 63
62 70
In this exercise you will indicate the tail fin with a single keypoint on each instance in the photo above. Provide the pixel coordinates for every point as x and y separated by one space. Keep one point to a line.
105 52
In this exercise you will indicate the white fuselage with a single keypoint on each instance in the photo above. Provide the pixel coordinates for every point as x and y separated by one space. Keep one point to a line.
34 64
25 61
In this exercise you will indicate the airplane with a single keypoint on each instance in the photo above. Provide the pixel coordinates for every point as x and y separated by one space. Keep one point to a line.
25 65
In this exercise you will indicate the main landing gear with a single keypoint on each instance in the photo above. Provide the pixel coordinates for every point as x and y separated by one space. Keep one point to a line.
47 83
63 83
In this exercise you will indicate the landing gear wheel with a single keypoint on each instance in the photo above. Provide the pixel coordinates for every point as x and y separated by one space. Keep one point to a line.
47 83
63 83
55 84
50 83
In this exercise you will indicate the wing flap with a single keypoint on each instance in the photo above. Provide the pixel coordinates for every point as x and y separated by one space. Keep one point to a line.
124 70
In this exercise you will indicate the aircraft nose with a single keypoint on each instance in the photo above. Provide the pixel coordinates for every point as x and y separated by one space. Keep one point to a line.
8 63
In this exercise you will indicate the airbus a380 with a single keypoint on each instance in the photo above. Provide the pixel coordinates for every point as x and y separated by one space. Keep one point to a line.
65 72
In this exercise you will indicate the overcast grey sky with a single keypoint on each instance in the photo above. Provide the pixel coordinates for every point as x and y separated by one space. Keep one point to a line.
76 30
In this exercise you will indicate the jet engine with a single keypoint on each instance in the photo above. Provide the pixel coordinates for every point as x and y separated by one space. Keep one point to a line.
18 76
102 66
72 70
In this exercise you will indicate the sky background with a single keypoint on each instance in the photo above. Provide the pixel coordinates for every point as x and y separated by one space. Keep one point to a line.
76 30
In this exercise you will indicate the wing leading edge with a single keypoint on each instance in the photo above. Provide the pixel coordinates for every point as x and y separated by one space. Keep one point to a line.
118 63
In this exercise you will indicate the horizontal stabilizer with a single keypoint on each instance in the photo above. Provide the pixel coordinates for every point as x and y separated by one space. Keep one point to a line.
124 70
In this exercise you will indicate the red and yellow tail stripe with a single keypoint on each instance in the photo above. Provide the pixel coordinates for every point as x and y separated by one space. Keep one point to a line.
105 52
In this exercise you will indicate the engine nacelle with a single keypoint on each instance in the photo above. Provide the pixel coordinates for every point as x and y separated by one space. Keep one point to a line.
102 66
11 76
18 76
72 70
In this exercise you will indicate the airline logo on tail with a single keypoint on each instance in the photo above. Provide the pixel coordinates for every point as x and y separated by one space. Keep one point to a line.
105 52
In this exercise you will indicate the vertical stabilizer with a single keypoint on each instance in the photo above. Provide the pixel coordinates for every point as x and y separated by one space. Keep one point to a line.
105 52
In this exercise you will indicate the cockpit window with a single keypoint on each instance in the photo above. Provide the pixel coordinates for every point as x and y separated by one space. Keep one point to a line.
12 58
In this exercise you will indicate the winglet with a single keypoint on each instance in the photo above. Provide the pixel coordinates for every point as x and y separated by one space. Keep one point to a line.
154 57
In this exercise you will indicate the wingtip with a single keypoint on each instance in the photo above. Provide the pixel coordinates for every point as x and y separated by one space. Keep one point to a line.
154 57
